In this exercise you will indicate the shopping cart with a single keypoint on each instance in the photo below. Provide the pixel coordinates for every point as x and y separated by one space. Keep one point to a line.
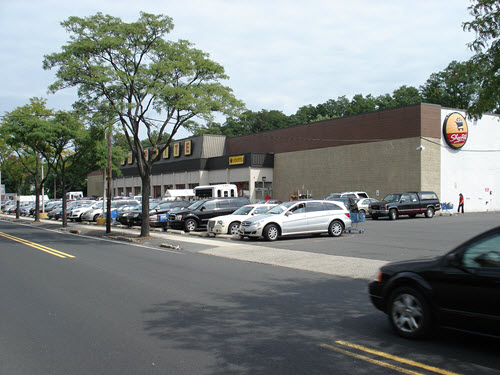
446 208
356 218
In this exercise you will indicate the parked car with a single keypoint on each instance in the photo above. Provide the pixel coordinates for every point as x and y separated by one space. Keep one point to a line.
197 214
160 215
411 204
95 213
230 224
459 290
270 201
134 217
77 212
348 202
122 217
298 217
352 194
363 204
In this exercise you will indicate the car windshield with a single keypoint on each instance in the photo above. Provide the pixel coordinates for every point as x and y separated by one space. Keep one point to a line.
281 208
392 198
334 195
245 210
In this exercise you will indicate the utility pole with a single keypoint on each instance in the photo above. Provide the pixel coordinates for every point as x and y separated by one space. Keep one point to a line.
108 177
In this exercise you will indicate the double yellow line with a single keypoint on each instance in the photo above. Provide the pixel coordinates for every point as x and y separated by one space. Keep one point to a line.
46 249
378 362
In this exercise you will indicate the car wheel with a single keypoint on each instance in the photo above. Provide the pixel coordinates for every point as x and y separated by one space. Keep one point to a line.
96 217
409 313
271 232
190 225
393 214
362 211
234 228
429 213
336 228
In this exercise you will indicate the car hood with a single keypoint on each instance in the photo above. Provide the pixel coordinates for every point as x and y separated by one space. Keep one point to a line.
411 265
230 217
253 219
380 203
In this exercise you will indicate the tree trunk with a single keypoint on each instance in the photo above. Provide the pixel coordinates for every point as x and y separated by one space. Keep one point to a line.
146 189
64 201
37 196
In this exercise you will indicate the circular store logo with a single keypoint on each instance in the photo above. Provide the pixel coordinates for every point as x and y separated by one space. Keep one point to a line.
455 130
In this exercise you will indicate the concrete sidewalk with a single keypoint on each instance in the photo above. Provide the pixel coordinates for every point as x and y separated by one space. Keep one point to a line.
357 268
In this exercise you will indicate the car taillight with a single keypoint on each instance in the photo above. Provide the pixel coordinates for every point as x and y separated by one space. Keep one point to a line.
348 214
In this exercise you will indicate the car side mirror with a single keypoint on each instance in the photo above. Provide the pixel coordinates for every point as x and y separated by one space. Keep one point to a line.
202 209
454 260
288 213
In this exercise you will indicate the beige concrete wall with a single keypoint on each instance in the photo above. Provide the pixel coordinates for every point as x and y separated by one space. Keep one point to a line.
386 167
430 164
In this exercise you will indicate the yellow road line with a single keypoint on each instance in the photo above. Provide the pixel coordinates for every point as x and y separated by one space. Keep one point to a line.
371 360
46 249
395 358
384 355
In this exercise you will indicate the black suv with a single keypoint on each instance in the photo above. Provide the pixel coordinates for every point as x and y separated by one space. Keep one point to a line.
197 214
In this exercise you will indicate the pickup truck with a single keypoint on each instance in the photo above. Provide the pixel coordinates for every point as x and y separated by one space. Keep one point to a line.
411 204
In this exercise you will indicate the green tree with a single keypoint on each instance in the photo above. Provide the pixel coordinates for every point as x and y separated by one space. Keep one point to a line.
14 169
71 149
454 87
20 131
486 61
153 86
406 95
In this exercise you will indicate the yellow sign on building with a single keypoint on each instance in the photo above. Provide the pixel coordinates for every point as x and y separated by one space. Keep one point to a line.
234 160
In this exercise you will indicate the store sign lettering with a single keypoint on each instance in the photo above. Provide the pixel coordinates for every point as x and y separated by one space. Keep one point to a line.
455 130
234 160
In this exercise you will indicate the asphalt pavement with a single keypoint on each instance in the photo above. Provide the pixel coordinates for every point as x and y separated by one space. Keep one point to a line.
354 255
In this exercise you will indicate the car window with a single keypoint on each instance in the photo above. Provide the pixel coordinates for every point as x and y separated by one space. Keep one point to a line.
483 254
332 206
413 197
225 203
314 206
298 208
210 205
405 198
363 195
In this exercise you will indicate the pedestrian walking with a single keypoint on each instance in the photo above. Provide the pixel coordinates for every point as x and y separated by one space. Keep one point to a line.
460 203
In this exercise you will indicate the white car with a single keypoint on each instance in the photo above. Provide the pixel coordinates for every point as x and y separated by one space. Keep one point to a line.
364 204
230 224
298 217
76 213
95 213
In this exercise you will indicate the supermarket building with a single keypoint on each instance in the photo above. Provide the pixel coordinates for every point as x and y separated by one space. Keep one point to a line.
411 148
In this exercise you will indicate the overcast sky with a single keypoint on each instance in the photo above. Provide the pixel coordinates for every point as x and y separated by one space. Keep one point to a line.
279 54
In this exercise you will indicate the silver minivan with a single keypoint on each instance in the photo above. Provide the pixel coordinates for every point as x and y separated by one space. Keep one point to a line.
298 217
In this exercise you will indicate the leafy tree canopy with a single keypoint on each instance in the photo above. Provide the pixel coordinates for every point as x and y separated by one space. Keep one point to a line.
486 61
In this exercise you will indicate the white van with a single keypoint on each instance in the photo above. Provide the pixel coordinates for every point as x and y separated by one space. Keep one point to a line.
215 191
73 195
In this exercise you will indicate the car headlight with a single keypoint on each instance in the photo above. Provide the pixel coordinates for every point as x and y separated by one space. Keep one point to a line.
220 222
178 217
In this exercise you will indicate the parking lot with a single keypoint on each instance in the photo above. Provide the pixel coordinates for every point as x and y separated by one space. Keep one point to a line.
355 255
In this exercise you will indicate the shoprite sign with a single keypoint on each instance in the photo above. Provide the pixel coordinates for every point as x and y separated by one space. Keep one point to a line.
455 130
